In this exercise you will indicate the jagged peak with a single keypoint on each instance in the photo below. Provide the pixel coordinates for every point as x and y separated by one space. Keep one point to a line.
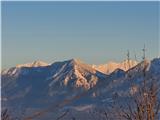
75 61
112 62
128 60
111 66
36 63
116 63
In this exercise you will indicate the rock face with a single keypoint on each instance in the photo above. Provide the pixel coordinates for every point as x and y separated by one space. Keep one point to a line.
38 85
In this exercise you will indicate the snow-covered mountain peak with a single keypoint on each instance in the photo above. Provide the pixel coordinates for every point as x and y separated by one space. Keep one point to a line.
74 61
112 66
132 62
79 65
23 68
127 64
75 74
33 64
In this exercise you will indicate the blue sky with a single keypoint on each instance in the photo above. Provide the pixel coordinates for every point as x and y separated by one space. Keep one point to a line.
95 32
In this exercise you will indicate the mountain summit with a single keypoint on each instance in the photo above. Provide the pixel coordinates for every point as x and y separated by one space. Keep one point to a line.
33 64
74 73
112 66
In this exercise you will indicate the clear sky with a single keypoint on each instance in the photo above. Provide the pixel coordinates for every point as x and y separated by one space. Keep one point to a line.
95 32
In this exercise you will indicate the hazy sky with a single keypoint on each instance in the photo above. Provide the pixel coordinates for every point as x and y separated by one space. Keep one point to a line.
95 32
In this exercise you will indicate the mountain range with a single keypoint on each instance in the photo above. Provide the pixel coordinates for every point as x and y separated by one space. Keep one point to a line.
70 85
